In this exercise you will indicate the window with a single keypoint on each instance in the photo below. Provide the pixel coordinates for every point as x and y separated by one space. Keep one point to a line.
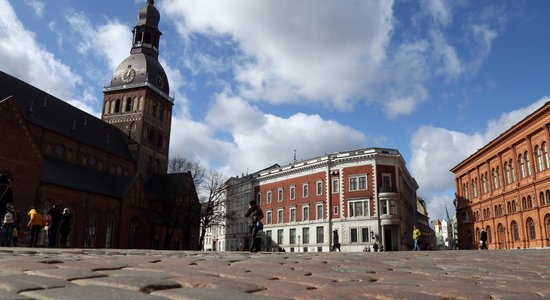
280 237
292 236
305 235
512 170
109 226
133 234
528 163
280 195
353 235
515 231
305 190
319 210
359 208
484 182
269 217
91 223
129 104
259 198
474 187
319 188
547 198
280 216
507 171
292 195
531 228
305 213
364 234
292 214
545 155
335 210
529 202
489 235
320 235
269 195
541 198
540 160
386 180
335 186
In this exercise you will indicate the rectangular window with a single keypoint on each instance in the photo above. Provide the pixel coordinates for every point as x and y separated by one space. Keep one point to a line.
292 236
386 180
269 217
269 197
292 192
280 216
292 214
319 209
358 183
259 198
305 213
364 234
335 186
335 210
353 235
384 207
319 188
305 190
320 235
359 208
280 195
280 237
305 235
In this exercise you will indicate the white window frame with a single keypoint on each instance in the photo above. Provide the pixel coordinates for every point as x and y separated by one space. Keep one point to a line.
269 197
269 216
319 188
389 181
280 195
357 186
365 208
305 190
292 192
292 214
320 216
280 216
336 186
305 235
335 211
304 214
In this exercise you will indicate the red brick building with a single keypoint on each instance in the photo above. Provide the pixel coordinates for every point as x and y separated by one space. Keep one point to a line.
504 188
367 196
111 173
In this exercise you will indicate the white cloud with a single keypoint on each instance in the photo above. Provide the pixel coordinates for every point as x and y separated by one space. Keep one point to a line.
37 6
23 57
114 44
311 50
439 10
434 151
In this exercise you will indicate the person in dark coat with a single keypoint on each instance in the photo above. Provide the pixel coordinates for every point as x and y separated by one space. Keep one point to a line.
53 228
254 215
65 228
336 242
483 240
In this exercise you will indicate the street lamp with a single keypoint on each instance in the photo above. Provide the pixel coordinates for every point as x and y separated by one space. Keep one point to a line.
298 244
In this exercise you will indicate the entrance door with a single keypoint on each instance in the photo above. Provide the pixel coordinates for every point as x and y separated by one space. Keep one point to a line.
387 240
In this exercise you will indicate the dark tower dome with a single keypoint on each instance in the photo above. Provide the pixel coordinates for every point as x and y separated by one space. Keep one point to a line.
149 15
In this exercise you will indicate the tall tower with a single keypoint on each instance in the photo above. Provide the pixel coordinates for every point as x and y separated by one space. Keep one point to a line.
137 101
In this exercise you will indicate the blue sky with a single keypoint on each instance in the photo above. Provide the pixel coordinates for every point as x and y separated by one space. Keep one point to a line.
435 79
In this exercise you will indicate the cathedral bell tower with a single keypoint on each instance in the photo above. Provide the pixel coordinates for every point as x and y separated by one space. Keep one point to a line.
137 101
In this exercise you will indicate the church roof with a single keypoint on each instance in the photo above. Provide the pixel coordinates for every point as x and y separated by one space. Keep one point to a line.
47 111
62 173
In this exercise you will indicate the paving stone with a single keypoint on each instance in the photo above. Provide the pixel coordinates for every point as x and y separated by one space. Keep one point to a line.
23 282
66 274
211 294
89 293
5 295
134 283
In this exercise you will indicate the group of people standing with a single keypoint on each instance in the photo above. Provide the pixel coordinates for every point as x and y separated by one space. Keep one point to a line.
56 222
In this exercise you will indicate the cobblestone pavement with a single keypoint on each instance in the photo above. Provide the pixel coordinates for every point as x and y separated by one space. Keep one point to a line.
98 274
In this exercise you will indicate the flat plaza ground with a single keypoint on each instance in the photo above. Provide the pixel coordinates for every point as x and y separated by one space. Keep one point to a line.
99 274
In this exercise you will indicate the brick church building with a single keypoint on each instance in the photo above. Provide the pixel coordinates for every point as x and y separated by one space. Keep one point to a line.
110 172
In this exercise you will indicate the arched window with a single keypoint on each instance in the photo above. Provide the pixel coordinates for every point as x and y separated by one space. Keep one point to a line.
547 226
484 182
128 104
89 233
529 202
512 170
524 203
117 106
507 171
522 166
531 229
509 207
474 187
489 235
527 163
107 107
545 155
515 231
540 161
109 229
547 197
495 178
501 236
133 234
514 206
541 198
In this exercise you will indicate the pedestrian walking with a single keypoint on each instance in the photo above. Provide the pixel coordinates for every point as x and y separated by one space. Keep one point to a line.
255 216
53 228
65 227
483 240
35 224
416 235
8 223
335 241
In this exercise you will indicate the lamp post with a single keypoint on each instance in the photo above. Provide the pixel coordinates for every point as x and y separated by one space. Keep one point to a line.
298 243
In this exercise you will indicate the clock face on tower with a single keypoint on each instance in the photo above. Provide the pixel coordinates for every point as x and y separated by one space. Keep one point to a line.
129 75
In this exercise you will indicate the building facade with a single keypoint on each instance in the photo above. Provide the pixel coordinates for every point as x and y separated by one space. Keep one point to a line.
52 152
366 196
504 188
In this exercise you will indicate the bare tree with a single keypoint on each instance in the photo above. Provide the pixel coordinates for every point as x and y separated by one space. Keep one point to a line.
179 164
213 201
